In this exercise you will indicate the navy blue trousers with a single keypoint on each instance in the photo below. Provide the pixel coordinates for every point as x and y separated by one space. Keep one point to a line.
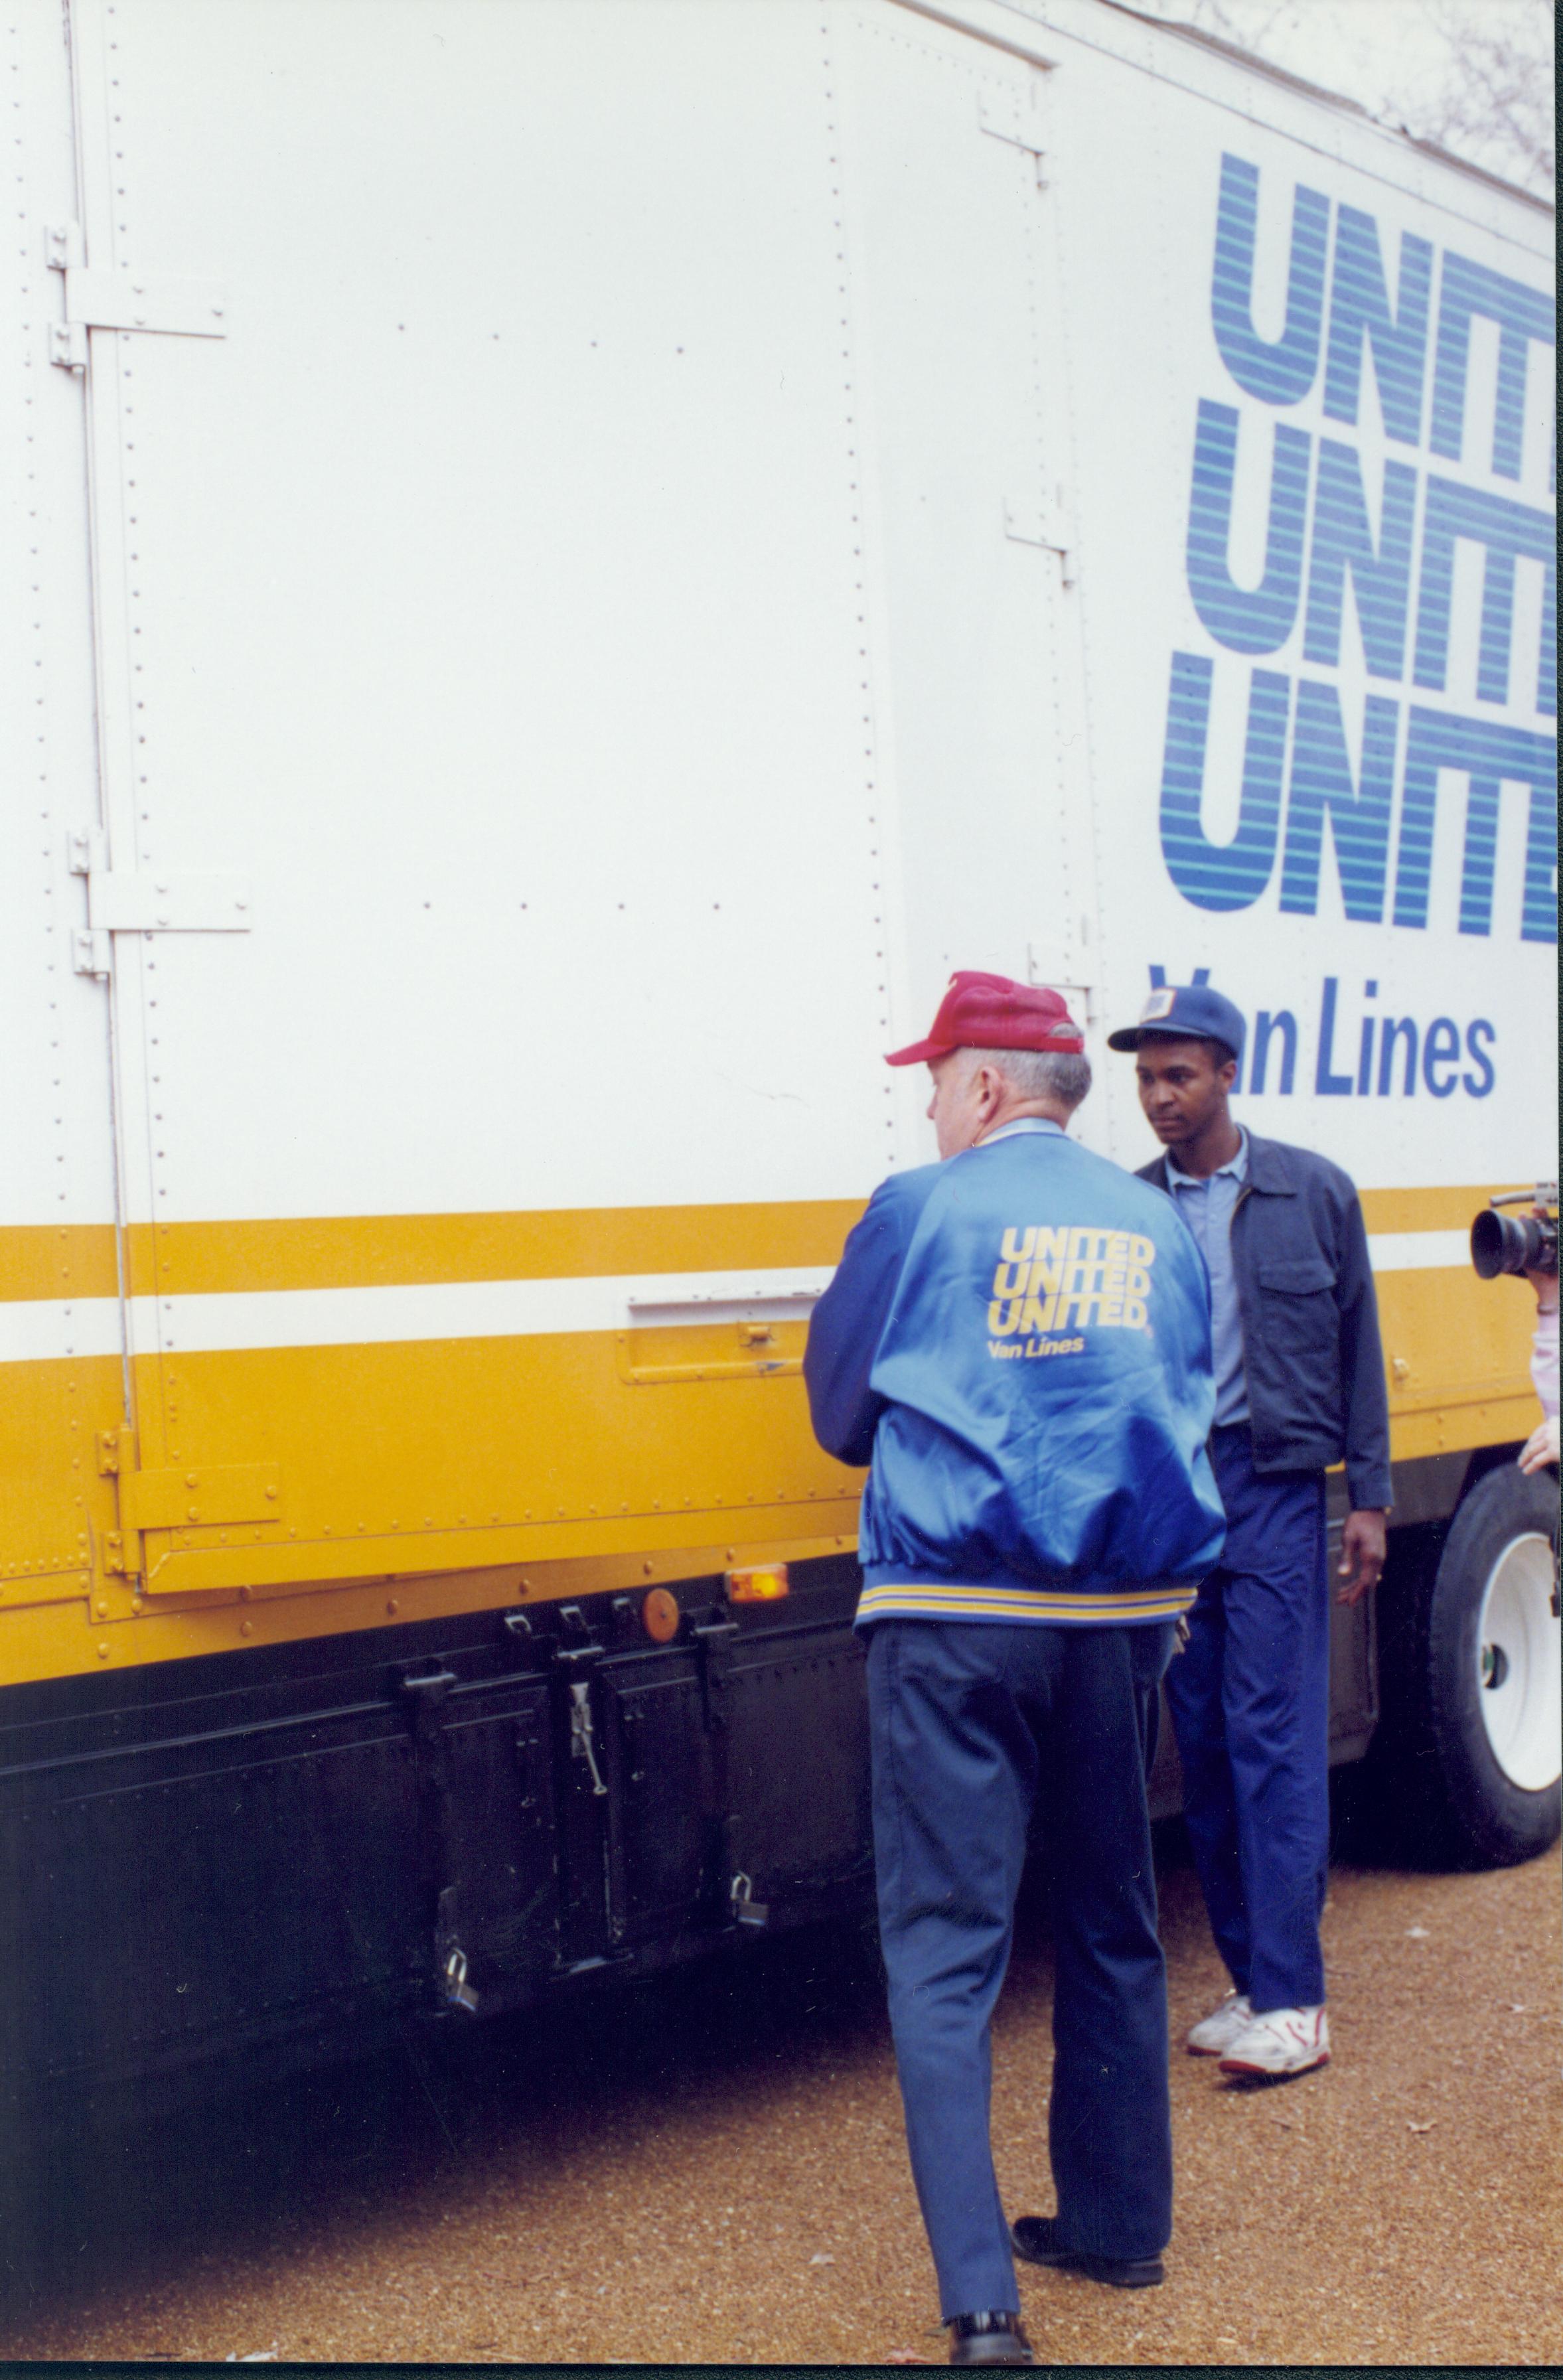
970 1722
1250 1701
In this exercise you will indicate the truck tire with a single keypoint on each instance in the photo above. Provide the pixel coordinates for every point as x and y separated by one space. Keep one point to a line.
1485 1699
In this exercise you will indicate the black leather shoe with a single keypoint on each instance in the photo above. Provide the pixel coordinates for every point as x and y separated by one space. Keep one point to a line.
992 2337
1034 2237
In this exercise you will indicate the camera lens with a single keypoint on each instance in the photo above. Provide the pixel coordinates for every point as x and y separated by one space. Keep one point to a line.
1513 1244
1486 1244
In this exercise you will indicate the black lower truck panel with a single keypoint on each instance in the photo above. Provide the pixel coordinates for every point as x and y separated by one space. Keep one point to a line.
304 1844
303 1847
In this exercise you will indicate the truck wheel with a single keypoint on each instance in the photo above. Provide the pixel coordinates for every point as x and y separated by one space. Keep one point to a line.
1492 1688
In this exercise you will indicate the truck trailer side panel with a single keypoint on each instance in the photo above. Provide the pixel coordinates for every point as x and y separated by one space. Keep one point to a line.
572 560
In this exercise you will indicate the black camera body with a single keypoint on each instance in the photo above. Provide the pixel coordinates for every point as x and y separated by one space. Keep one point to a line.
1517 1243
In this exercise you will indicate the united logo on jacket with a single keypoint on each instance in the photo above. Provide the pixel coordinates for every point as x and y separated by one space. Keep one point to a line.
1018 1342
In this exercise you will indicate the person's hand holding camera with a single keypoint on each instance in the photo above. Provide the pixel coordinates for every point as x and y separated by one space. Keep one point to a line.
1540 1448
1528 1244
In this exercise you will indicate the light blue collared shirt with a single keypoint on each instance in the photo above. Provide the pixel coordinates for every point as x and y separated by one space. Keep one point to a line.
1208 1207
1022 1124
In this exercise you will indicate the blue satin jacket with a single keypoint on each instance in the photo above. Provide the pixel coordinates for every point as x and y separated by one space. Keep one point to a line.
1018 1342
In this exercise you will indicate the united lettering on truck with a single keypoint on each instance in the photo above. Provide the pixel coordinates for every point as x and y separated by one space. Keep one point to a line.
1392 538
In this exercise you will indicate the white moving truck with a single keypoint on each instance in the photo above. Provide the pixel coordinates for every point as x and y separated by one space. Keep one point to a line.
568 560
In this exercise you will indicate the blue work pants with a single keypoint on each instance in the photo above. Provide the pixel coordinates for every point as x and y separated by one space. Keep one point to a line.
1249 1702
971 1721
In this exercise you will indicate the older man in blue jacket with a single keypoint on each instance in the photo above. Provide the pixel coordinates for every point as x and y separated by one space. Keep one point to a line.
1017 1341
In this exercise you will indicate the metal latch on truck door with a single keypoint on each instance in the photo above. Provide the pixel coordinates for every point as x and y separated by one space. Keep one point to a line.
458 1990
159 901
745 1909
167 302
583 1735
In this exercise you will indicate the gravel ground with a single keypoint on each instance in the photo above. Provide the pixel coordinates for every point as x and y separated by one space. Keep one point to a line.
710 2168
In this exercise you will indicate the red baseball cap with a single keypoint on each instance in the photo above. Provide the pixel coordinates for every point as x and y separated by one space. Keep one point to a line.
988 1012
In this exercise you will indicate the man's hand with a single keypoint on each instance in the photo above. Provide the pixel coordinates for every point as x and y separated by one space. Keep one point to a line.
1362 1549
1540 1447
1544 1283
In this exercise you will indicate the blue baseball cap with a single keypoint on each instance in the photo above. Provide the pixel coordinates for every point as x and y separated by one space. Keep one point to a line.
1184 1011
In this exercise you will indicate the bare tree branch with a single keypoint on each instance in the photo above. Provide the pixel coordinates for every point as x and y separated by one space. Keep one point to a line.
1498 100
1493 102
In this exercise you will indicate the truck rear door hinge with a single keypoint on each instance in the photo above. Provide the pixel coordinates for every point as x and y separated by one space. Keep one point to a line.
200 1494
163 901
1062 970
206 1495
1006 116
125 301
1044 524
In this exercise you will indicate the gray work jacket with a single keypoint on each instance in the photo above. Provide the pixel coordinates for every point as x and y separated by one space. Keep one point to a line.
1311 1355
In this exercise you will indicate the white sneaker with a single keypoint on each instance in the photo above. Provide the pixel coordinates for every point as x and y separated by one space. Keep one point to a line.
1280 2042
1221 2027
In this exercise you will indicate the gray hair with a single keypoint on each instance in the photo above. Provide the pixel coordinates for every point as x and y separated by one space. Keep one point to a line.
1038 1073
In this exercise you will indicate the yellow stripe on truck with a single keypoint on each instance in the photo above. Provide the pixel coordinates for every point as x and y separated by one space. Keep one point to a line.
432 1455
57 1260
364 1251
350 1251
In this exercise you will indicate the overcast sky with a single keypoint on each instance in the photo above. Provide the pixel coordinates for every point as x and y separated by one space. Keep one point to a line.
1439 65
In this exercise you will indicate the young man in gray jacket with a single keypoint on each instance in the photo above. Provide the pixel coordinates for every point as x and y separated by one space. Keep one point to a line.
1298 1386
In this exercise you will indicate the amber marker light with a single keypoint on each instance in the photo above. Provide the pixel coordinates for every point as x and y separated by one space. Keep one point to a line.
659 1616
768 1582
